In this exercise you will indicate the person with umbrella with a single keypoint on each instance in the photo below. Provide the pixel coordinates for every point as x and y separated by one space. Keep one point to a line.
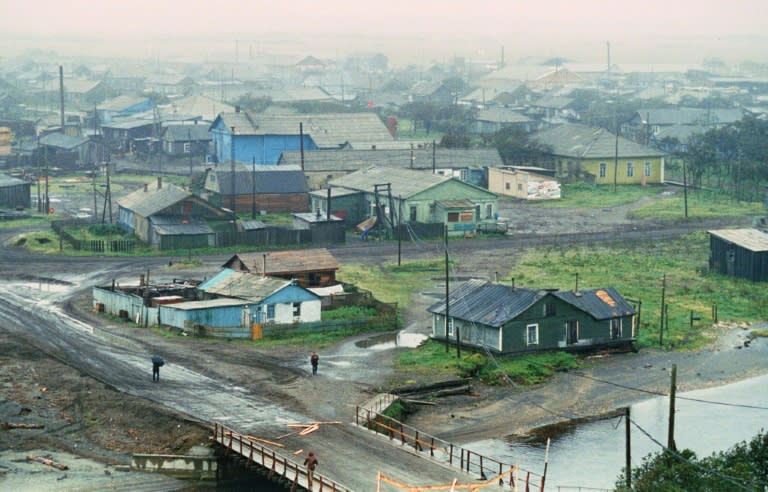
157 363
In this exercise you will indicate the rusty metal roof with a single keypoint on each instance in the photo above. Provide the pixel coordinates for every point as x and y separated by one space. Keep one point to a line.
604 303
287 262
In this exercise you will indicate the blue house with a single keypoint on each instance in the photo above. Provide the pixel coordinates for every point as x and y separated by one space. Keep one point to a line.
261 139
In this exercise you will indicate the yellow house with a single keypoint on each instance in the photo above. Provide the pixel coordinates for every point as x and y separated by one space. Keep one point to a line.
599 156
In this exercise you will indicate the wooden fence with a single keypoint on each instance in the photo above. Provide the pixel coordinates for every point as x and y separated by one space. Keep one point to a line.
275 463
444 451
92 245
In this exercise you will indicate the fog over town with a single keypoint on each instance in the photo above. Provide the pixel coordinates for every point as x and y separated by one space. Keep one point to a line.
175 174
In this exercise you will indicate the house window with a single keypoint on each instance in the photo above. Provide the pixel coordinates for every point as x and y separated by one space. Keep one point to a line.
488 211
187 147
453 216
532 334
270 312
630 169
450 327
412 213
506 186
296 309
549 309
519 186
615 328
647 168
603 169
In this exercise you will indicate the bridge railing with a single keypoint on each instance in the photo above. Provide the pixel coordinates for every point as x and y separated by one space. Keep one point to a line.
421 442
273 461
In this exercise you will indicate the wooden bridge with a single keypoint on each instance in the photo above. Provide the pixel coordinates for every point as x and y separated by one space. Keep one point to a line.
373 453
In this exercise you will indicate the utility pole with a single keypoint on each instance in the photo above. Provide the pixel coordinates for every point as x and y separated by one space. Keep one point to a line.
661 323
616 152
189 140
232 171
61 95
399 228
253 189
685 189
447 291
672 390
39 198
627 448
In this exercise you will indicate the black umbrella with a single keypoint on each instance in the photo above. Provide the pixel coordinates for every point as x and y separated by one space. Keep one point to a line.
156 359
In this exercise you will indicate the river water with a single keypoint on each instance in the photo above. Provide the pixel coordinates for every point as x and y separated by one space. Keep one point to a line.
592 455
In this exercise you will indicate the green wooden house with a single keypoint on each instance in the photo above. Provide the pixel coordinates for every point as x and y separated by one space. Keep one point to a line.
407 196
509 320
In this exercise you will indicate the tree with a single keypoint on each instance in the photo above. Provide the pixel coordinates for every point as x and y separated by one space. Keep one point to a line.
742 467
516 147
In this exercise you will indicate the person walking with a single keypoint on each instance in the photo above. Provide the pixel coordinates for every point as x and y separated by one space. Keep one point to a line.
314 359
157 363
311 463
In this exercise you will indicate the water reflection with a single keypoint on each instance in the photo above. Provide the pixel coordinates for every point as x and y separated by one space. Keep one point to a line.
592 454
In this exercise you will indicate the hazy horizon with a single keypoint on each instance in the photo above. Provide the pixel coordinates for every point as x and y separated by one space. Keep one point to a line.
654 32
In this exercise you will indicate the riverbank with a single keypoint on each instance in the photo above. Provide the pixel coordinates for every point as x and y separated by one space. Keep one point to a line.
605 384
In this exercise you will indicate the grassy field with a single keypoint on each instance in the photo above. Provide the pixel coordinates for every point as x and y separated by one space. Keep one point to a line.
390 283
581 195
701 204
637 270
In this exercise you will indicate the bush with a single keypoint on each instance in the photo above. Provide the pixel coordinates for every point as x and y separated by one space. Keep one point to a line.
105 230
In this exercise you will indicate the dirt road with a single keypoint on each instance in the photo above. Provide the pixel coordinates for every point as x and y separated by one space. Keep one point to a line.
89 379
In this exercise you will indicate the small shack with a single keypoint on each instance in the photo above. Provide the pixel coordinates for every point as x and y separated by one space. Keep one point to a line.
14 193
739 253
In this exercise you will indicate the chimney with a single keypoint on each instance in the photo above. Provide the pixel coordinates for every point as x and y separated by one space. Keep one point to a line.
264 264
159 182
141 280
237 109
146 187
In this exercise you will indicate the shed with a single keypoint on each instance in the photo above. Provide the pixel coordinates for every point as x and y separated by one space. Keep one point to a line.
268 188
739 253
310 267
14 192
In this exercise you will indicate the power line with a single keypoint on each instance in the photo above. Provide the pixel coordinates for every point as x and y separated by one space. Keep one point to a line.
682 458
658 393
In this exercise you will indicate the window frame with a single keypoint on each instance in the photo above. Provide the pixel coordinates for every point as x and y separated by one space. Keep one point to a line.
528 339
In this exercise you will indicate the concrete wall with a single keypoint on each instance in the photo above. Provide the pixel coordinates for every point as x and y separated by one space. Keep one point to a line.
199 466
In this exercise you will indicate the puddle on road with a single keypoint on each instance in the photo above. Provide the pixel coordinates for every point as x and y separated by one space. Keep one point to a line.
44 286
390 341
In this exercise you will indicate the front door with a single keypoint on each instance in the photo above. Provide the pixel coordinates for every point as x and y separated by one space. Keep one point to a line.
571 332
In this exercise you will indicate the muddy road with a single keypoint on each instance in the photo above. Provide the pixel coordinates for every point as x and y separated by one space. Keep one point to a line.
100 369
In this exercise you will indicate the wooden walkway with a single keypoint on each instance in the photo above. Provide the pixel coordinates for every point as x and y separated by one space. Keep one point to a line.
373 453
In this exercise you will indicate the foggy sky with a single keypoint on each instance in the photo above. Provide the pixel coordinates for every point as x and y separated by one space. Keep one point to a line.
704 27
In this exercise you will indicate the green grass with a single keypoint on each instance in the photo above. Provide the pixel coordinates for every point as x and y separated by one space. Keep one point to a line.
701 204
34 221
635 269
392 283
582 195
432 360
405 132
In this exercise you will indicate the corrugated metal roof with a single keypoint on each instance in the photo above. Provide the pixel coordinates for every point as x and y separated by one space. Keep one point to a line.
63 141
269 179
458 203
6 180
751 239
330 130
287 262
690 116
243 285
484 302
185 133
591 143
120 103
175 225
605 303
145 203
419 158
211 303
405 182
